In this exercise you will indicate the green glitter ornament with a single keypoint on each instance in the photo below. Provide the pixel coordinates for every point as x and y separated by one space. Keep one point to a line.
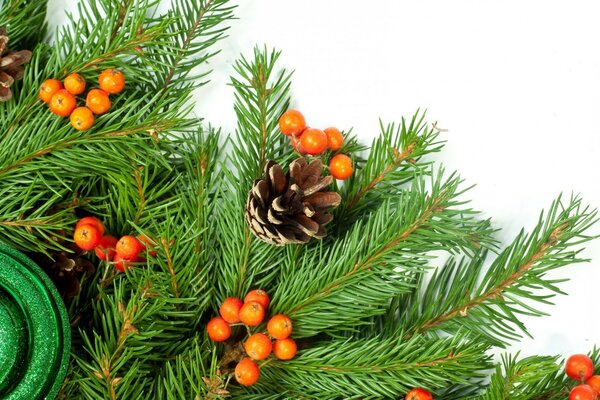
35 336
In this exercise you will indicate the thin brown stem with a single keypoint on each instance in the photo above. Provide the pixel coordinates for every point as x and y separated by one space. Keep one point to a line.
166 247
188 39
262 89
141 195
400 157
496 292
149 129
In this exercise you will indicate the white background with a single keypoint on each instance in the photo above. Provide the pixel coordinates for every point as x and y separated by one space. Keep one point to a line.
516 83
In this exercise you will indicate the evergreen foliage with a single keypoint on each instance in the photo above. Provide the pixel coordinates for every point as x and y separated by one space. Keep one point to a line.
372 316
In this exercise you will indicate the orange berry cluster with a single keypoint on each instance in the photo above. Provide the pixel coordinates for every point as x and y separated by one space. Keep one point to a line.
418 394
258 346
581 368
314 141
89 235
60 96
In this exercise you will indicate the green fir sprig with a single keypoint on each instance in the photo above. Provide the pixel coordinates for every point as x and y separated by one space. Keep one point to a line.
372 315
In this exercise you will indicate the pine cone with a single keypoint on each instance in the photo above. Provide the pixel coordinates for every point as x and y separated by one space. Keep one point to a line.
11 66
291 208
66 269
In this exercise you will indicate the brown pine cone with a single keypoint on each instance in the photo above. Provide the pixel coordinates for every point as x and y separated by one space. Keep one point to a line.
11 66
293 207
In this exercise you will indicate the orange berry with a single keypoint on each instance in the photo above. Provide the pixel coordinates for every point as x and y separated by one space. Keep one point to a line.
97 100
340 166
62 103
259 296
292 122
87 237
147 242
122 264
129 247
49 88
92 221
582 392
334 138
285 349
218 329
418 394
280 326
106 248
313 141
252 313
258 346
246 372
111 80
230 309
579 367
82 118
594 383
75 84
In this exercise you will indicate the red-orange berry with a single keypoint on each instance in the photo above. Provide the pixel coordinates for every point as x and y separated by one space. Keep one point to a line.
280 326
252 313
111 80
259 296
579 367
75 83
285 349
313 141
97 100
594 382
292 122
258 346
246 372
340 166
218 329
335 140
106 248
82 118
87 237
129 247
230 309
418 394
91 221
123 264
582 392
49 88
62 103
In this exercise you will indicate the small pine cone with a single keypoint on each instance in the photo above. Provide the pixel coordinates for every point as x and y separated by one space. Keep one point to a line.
11 66
66 268
293 207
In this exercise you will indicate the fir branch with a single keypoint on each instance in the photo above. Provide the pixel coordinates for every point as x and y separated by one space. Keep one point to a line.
25 20
393 160
531 378
377 259
261 96
193 374
374 368
197 20
454 298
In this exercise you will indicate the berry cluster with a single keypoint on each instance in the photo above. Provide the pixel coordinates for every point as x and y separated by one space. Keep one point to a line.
314 142
581 368
258 346
60 96
418 394
89 235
